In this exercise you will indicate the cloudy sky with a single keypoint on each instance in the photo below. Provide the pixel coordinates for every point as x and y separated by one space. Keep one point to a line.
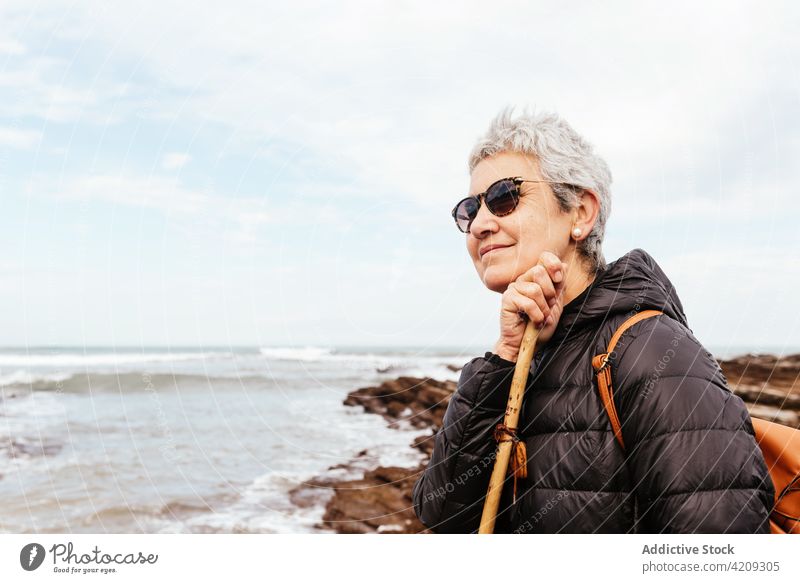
174 173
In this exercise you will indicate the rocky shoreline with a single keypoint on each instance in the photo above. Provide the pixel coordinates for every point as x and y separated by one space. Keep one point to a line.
381 502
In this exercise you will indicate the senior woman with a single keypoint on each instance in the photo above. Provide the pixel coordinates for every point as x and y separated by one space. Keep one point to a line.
534 225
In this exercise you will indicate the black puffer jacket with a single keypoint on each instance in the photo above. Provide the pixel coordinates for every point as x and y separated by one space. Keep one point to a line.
692 464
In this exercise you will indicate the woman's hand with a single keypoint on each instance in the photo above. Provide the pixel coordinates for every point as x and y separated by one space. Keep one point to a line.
536 295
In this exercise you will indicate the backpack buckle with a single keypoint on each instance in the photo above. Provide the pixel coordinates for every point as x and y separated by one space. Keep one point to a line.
601 361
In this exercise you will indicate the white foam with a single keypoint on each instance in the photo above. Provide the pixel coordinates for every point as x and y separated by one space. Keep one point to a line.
263 506
392 365
308 353
103 358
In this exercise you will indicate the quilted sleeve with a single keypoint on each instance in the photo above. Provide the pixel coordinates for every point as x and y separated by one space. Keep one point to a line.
690 443
449 495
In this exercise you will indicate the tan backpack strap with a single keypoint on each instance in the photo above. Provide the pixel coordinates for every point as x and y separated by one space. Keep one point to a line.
602 366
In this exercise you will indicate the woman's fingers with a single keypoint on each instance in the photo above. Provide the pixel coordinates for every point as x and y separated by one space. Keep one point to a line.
535 295
554 266
543 294
524 304
545 278
554 315
548 263
548 268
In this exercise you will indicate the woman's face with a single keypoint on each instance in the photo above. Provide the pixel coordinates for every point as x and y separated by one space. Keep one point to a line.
535 226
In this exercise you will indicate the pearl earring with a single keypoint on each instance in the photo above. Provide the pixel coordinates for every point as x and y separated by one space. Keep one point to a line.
576 232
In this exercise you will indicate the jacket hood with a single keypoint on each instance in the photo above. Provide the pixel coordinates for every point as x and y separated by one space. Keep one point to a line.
632 283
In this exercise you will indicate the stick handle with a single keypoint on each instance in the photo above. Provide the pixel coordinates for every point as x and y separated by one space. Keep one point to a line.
511 419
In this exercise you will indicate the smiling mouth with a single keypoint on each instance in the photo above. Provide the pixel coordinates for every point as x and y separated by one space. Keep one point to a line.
494 249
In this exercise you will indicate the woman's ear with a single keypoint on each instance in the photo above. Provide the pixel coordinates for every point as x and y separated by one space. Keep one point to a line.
586 212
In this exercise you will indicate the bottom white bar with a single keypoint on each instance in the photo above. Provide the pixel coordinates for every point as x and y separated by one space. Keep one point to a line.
398 557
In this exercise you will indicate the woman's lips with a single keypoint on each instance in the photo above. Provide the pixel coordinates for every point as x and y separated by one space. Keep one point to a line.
485 253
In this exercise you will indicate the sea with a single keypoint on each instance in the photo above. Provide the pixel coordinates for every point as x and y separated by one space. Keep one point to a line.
195 440
172 440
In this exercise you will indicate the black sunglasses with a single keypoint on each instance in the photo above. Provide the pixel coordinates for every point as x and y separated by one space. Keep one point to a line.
501 198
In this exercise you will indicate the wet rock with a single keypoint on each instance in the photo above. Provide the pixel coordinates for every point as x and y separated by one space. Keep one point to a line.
27 448
760 369
421 402
380 501
768 384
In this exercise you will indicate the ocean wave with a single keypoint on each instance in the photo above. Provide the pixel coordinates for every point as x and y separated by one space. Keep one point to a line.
67 359
126 382
415 364
25 378
308 353
361 361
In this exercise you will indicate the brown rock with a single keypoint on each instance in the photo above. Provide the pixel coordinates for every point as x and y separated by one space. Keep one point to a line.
381 501
421 402
378 503
764 369
768 384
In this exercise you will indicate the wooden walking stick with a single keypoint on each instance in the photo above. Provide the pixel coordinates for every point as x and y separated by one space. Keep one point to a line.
506 433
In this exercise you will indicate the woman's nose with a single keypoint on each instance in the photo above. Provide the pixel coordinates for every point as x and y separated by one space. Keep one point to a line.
484 222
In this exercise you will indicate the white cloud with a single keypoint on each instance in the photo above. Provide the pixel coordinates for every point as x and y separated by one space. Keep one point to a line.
21 139
35 87
240 219
399 95
157 192
744 294
679 98
10 46
175 160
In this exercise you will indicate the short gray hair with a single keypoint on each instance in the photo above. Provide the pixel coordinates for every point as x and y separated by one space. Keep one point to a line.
564 156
